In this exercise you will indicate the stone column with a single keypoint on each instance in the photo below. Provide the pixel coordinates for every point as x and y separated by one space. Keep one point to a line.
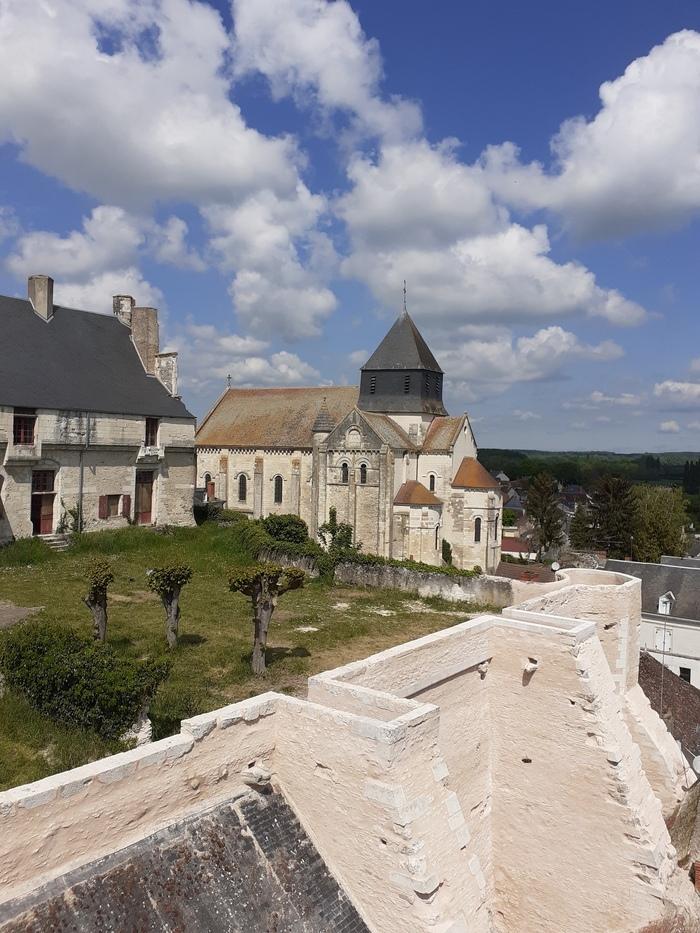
258 488
322 482
295 487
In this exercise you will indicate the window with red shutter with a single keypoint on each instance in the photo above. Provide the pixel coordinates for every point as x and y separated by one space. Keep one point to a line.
126 506
102 508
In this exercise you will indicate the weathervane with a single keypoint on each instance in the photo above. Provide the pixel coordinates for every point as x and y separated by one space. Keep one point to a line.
228 380
404 297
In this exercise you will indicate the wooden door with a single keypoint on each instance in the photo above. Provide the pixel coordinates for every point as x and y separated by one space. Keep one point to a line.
144 498
211 490
42 502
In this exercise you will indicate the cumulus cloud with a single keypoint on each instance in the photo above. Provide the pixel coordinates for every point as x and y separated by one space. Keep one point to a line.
598 399
526 415
669 427
635 165
678 394
418 213
209 356
318 52
130 102
485 365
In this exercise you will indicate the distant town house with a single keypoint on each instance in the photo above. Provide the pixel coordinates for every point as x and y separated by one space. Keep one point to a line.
91 427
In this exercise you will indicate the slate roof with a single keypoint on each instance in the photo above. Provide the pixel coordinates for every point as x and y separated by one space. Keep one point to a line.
681 711
657 579
414 493
77 361
388 430
472 475
247 866
403 348
281 418
442 434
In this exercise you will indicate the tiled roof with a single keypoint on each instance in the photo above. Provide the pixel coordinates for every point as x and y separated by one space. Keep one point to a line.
442 434
403 348
513 545
280 418
472 475
414 493
389 431
681 711
77 361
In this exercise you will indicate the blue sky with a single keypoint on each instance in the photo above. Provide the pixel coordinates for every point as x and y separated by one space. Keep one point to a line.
268 172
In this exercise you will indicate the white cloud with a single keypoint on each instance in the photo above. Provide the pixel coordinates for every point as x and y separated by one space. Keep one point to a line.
8 222
678 394
635 165
95 292
208 357
419 214
129 101
596 399
695 365
497 364
359 357
669 427
694 425
526 415
318 52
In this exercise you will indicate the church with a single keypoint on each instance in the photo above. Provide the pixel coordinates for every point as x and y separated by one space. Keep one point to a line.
386 455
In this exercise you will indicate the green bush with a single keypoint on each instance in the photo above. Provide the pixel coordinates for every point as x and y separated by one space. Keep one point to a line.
25 551
206 512
286 528
232 515
76 681
447 552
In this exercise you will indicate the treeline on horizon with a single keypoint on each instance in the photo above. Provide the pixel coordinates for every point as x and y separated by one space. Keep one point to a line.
586 468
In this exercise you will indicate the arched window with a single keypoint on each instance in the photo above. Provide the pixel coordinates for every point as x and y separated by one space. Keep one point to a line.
477 530
431 482
437 537
207 478
242 488
363 473
278 490
344 473
495 529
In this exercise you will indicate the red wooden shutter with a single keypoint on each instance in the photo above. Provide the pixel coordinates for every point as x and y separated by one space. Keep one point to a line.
126 506
102 509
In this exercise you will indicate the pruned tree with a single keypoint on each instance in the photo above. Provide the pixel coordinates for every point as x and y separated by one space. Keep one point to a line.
544 512
99 575
264 584
168 582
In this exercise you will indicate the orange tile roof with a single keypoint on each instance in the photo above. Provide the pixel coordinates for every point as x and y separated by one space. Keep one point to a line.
442 434
281 418
414 493
471 475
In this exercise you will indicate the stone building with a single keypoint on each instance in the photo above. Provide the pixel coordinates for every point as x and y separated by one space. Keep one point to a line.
90 419
386 455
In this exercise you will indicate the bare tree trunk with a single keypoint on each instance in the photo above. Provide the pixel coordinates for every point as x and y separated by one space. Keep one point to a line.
263 614
98 608
171 603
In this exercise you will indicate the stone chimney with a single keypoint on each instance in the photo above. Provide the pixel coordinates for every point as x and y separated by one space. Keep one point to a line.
166 371
40 293
144 333
123 305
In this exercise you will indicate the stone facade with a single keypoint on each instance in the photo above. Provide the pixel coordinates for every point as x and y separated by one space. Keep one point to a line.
110 467
305 460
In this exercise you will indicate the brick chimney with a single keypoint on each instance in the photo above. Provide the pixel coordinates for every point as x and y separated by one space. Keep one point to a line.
123 305
40 294
144 333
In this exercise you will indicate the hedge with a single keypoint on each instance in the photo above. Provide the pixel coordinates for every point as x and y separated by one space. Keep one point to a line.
75 680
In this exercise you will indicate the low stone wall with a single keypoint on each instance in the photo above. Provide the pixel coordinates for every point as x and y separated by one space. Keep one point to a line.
270 555
494 591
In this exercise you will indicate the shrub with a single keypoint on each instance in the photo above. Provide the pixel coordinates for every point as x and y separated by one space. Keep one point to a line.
25 551
231 515
286 528
447 552
75 680
206 512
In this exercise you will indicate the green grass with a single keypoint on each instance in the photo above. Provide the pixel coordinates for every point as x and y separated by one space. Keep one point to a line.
211 665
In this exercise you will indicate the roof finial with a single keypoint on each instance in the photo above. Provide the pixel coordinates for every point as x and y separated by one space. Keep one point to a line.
404 297
228 381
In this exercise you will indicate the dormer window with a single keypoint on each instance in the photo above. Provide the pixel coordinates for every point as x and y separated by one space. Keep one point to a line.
23 425
151 436
666 603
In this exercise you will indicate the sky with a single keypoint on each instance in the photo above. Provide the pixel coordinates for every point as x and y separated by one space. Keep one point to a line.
268 172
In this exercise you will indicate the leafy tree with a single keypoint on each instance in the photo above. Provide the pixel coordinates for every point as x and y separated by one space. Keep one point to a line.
337 536
286 528
544 512
99 575
659 522
510 518
264 584
581 530
168 582
613 509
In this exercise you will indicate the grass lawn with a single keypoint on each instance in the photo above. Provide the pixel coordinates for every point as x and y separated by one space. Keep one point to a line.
313 629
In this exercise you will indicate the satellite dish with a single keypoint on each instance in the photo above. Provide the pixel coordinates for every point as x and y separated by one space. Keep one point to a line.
555 566
696 764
